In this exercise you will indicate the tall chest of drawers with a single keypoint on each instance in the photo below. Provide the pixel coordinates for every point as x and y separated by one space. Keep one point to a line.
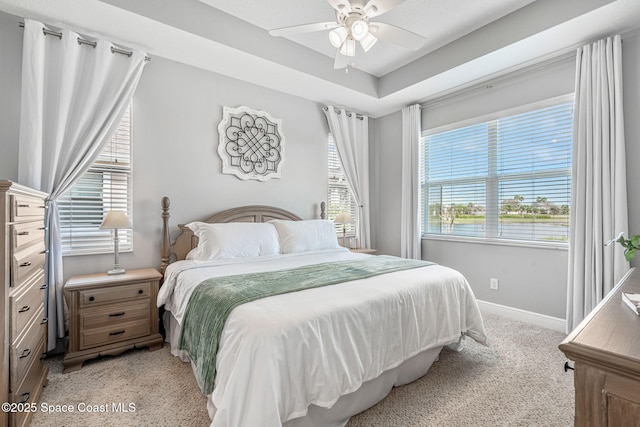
23 322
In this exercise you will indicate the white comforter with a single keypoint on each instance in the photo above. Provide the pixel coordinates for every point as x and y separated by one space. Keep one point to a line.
280 354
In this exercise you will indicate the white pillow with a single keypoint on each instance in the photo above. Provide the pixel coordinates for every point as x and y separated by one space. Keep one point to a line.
304 236
233 240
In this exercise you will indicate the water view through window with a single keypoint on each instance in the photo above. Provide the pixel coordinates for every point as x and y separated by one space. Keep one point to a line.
508 178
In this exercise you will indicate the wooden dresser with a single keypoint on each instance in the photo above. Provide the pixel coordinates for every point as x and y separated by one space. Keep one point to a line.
24 327
606 349
111 314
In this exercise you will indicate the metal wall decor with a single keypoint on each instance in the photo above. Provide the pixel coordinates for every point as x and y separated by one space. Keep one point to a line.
251 144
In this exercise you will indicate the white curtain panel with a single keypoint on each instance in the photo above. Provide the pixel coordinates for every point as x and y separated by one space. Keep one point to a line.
73 98
351 135
599 188
410 239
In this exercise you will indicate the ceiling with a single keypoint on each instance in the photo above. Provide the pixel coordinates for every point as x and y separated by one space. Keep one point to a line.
438 21
467 41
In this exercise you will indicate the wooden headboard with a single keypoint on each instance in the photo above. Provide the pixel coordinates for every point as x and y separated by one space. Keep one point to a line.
186 240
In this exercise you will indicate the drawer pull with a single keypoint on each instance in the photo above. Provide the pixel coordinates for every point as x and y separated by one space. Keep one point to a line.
44 287
24 206
116 333
44 321
46 251
25 397
117 314
23 233
24 309
25 264
25 353
91 298
140 291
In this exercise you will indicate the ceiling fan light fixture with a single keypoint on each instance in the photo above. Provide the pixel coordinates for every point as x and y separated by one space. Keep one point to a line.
368 41
348 48
359 30
338 36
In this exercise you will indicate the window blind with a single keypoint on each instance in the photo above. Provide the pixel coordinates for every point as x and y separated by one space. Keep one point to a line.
105 186
339 197
506 178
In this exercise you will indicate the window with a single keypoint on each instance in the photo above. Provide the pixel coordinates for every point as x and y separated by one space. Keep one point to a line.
505 178
105 186
339 198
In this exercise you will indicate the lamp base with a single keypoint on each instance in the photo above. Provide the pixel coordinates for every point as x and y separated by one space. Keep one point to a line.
116 271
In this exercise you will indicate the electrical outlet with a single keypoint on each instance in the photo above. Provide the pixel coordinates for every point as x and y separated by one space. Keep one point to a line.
493 284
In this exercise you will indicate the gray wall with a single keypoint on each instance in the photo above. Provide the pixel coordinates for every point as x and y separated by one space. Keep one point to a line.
176 111
530 278
10 69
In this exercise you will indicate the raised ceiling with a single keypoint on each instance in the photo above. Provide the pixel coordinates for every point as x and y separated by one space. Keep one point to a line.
438 21
468 41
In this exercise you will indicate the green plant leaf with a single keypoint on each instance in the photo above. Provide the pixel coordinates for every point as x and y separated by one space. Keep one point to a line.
629 253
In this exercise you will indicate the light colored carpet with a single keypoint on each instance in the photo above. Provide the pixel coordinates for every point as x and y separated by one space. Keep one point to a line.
517 381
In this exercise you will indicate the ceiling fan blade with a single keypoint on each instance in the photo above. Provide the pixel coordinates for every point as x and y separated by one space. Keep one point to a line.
342 6
341 61
378 7
396 35
306 28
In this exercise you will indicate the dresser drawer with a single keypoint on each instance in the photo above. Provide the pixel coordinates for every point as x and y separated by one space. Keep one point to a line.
25 390
134 292
29 391
26 234
114 333
114 314
26 303
26 263
24 352
25 208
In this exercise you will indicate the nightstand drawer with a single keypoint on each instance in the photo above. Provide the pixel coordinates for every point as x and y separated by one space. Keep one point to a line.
26 263
25 304
93 297
27 349
25 207
109 314
114 314
115 333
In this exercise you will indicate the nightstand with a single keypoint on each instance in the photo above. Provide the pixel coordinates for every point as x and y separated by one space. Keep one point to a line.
111 314
364 251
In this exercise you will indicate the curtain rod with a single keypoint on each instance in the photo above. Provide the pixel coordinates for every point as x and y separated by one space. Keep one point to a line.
358 116
57 34
489 83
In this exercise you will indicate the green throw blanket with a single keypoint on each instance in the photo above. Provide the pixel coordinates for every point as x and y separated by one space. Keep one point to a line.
213 300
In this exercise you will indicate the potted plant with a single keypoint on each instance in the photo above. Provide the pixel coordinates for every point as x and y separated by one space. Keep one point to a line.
630 245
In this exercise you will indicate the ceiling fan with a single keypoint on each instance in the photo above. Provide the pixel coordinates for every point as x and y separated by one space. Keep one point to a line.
353 25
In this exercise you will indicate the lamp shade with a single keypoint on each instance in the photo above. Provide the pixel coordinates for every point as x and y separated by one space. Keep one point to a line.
368 41
344 218
115 220
338 36
348 48
359 30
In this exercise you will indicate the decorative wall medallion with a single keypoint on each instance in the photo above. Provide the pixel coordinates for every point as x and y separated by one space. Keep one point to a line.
251 144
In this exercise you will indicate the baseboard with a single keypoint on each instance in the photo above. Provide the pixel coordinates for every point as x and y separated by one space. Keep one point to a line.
537 319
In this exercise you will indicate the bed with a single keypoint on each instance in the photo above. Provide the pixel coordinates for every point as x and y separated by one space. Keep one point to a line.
306 357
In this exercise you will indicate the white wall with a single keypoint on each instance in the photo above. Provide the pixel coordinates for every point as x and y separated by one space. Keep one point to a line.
176 111
532 279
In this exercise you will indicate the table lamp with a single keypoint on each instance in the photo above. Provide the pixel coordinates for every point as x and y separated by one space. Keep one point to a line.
113 221
344 218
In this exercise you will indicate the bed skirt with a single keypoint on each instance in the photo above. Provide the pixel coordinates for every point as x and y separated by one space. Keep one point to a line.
370 393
